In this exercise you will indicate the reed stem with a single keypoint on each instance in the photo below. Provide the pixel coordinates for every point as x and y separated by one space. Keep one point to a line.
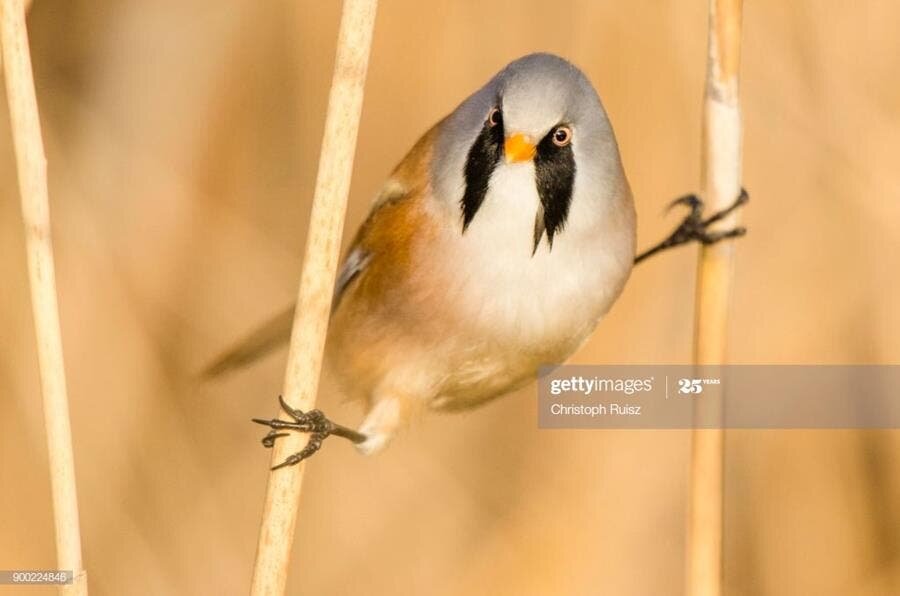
721 185
316 286
31 166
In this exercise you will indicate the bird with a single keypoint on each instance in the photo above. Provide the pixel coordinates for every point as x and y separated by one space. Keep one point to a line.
496 246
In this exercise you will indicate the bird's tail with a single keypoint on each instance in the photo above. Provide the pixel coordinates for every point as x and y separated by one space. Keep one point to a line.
269 336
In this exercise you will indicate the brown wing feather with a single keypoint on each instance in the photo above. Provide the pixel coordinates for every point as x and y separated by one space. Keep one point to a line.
383 241
379 251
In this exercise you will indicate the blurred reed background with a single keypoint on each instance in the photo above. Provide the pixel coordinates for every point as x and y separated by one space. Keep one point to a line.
182 140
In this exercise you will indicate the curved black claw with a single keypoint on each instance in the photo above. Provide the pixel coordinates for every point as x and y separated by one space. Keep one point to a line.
313 422
694 227
268 441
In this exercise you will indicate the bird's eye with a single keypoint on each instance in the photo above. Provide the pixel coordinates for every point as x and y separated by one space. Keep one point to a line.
495 117
562 136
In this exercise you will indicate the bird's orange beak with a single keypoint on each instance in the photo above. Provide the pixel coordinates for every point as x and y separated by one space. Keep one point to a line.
518 148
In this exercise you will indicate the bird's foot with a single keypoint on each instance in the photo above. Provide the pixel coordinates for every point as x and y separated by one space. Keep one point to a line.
695 227
313 422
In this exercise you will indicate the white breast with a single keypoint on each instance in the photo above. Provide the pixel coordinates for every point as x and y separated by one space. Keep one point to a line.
553 296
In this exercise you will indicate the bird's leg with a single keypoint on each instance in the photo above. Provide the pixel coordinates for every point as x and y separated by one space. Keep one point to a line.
694 227
313 422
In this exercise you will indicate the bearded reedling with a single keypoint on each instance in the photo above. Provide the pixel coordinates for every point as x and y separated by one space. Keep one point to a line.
495 246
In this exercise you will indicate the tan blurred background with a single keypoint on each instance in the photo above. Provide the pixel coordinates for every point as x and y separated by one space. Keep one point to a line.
182 140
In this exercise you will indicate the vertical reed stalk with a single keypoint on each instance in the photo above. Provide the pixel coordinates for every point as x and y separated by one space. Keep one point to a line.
32 173
316 286
721 185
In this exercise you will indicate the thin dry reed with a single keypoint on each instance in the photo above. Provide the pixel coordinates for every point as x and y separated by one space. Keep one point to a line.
316 285
721 185
32 173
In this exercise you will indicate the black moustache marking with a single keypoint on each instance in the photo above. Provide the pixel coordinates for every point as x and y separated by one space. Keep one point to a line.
480 163
538 228
555 176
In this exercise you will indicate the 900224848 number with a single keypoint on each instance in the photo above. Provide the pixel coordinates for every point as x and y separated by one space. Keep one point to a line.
39 577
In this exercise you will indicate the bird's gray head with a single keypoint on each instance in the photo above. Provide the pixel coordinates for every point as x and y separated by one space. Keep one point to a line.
540 110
